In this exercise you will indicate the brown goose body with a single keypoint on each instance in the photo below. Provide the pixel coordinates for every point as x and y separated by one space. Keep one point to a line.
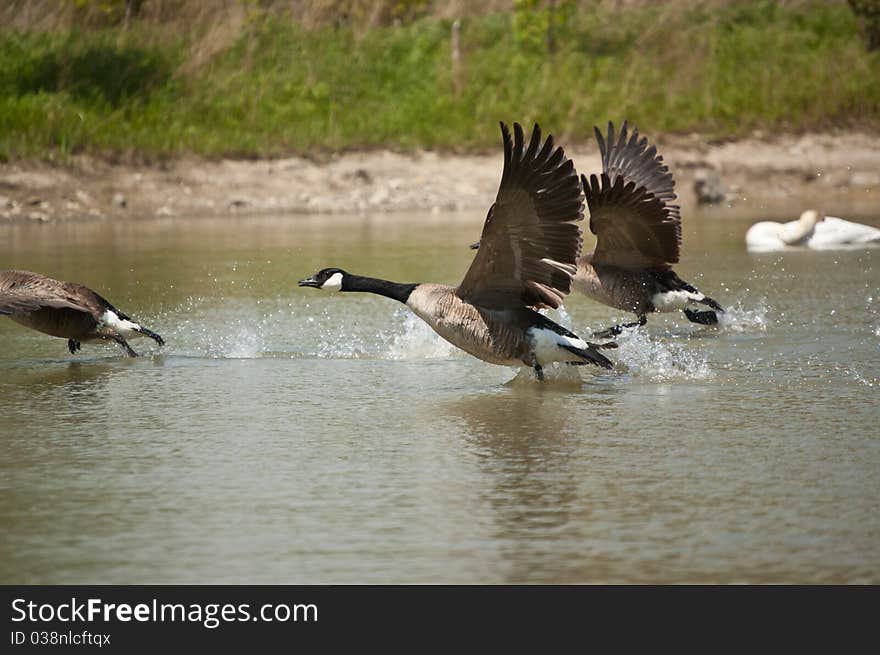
529 246
498 336
67 310
613 286
640 291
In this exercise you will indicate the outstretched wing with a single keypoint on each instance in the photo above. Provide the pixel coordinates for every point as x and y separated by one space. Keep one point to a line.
631 211
636 161
16 304
530 240
22 292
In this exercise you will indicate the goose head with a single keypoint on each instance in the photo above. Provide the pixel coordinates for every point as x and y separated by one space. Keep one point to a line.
328 279
798 232
810 217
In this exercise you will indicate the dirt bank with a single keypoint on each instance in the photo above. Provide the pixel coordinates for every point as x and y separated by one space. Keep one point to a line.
781 173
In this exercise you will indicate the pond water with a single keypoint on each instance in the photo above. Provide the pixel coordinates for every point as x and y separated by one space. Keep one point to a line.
289 436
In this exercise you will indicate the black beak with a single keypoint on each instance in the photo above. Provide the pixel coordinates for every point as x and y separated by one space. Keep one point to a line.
309 282
474 246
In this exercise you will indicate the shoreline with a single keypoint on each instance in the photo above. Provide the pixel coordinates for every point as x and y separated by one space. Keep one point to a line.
781 174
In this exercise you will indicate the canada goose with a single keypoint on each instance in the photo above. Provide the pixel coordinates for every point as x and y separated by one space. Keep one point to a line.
638 235
530 244
67 310
812 230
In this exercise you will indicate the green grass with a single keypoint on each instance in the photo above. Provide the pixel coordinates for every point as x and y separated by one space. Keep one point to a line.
280 88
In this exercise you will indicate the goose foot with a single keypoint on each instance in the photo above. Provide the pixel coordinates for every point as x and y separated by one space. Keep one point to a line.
539 372
617 329
149 333
73 346
118 338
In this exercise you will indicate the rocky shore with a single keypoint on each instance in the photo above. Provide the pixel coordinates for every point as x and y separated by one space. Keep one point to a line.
778 171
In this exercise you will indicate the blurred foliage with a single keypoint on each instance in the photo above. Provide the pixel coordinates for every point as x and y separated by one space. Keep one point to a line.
269 86
869 13
95 71
537 23
104 12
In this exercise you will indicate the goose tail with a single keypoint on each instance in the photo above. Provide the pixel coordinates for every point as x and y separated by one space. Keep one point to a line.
591 354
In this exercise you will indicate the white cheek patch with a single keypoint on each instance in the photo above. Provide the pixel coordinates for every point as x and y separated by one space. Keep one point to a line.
333 283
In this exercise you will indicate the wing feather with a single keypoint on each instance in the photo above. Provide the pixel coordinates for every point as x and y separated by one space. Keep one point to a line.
17 304
22 292
631 211
530 240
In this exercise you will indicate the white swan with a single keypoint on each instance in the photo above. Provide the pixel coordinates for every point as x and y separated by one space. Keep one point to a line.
813 231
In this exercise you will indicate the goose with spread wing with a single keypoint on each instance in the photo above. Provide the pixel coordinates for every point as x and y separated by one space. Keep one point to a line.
638 235
530 244
67 310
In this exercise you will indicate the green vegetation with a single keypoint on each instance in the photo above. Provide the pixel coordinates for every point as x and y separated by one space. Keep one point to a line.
868 12
277 87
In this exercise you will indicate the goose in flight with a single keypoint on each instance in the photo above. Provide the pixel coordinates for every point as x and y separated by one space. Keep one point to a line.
530 243
638 235
67 310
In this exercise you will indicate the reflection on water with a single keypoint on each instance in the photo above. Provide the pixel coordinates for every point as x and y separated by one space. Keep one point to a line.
288 436
533 463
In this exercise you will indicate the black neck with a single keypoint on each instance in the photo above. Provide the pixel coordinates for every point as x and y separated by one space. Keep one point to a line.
394 290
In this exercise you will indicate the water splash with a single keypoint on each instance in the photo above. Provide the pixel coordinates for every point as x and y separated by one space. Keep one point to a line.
737 318
202 330
872 308
862 379
277 328
555 374
560 316
403 336
337 341
660 359
412 338
657 358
